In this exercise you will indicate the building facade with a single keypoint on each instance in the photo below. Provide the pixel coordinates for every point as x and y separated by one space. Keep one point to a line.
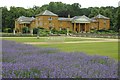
49 20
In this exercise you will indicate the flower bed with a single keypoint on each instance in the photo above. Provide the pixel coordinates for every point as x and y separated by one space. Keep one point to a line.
26 61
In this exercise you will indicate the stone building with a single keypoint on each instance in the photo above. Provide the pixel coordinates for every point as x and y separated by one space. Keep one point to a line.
49 20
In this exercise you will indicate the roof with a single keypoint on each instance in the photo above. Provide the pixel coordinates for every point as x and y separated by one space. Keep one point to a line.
24 19
64 19
93 19
47 13
101 16
81 19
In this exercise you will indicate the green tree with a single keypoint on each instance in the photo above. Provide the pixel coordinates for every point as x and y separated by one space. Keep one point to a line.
62 9
118 20
4 17
94 11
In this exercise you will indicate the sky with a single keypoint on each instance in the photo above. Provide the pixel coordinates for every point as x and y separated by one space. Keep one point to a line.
84 3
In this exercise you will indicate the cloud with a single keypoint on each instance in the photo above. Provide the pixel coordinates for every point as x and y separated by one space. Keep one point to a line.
84 3
119 3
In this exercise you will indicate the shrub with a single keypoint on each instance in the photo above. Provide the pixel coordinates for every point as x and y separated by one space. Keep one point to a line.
16 35
103 31
54 31
42 32
63 31
27 61
70 31
93 30
25 30
35 30
8 30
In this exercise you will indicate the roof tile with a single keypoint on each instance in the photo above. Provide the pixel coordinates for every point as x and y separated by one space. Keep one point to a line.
47 13
24 19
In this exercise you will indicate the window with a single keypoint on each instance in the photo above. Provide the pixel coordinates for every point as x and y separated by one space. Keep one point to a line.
104 21
60 28
50 18
105 24
40 23
61 23
50 23
50 28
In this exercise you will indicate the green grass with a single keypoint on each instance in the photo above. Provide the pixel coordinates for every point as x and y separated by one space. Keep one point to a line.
48 39
25 39
103 48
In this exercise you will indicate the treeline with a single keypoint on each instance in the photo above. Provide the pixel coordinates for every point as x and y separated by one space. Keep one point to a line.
62 9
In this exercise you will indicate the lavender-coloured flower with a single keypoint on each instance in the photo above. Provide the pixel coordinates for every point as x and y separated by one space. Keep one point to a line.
27 61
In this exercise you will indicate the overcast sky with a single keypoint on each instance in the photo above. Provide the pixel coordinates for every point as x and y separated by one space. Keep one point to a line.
84 3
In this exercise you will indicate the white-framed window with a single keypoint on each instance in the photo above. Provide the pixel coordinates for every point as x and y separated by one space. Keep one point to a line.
50 18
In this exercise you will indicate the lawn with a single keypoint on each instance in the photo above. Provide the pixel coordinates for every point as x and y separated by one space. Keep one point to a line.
48 39
28 61
103 48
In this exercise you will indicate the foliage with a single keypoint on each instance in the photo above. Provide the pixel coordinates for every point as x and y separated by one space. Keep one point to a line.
62 10
35 30
20 62
16 35
103 31
25 30
42 32
63 31
97 34
54 31
8 30
93 30
104 48
118 20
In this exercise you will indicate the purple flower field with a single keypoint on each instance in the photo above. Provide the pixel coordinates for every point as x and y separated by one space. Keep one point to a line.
27 61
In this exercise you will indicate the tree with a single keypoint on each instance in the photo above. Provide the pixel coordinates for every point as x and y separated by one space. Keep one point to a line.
94 11
118 20
62 9
4 17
